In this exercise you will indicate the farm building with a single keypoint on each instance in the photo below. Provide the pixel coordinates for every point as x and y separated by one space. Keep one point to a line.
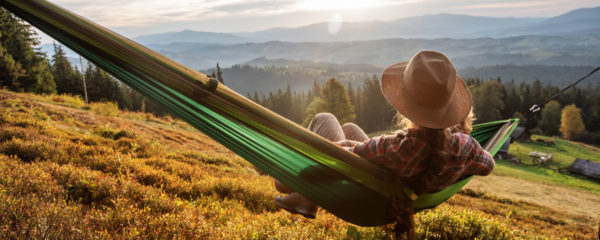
521 134
585 168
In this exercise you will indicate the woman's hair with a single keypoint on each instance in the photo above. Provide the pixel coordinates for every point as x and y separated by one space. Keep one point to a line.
437 141
465 126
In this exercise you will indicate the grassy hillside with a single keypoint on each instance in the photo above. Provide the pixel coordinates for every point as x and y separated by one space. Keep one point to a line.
74 171
554 171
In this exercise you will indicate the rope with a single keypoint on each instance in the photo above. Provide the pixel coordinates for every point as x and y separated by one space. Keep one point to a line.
538 107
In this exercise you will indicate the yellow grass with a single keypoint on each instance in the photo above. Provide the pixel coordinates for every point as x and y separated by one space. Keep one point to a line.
69 173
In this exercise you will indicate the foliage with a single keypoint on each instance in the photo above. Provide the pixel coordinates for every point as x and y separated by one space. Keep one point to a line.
67 79
10 70
487 101
375 112
27 70
312 109
335 100
550 122
109 109
443 223
571 124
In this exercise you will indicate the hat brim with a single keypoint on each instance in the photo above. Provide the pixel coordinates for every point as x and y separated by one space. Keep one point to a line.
455 111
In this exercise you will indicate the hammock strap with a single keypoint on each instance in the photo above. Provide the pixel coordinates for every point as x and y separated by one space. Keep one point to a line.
538 107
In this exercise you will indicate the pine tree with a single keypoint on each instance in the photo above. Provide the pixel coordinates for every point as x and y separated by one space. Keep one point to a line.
376 113
351 94
512 100
66 78
571 124
18 40
10 70
101 85
316 90
219 74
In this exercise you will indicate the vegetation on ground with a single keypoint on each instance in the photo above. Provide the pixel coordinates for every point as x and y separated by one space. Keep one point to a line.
70 173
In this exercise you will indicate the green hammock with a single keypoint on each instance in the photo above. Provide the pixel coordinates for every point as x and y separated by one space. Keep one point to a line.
358 193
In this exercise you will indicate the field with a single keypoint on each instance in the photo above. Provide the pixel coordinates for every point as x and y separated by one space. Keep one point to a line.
69 170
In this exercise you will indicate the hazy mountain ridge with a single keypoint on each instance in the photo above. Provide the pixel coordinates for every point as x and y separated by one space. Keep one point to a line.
585 20
522 50
191 36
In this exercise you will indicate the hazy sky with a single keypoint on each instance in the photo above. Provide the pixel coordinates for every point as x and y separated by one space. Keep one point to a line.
138 17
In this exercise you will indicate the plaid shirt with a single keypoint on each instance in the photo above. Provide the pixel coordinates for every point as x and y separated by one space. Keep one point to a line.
406 157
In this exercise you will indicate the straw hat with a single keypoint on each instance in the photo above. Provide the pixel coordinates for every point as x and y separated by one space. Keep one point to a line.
427 90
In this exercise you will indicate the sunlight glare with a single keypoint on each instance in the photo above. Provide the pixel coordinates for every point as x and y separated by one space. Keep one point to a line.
335 24
324 5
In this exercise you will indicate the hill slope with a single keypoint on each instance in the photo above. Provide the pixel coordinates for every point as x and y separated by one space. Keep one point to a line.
76 171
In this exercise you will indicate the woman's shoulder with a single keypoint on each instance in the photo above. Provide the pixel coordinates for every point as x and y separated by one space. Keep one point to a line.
463 143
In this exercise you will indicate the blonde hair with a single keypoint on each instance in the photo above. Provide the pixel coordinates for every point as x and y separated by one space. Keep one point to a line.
466 126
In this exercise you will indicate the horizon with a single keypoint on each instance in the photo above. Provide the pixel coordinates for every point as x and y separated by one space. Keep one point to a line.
136 18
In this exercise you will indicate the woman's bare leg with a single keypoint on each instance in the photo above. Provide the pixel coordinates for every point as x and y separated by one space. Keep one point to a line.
354 132
327 126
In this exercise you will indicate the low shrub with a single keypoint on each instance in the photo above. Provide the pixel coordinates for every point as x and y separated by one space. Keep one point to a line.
109 109
114 134
140 148
74 101
29 150
443 223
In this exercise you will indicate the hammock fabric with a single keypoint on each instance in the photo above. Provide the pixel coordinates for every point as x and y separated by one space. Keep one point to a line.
357 192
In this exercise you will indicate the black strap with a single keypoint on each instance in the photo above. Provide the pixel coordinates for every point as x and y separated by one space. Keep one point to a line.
538 107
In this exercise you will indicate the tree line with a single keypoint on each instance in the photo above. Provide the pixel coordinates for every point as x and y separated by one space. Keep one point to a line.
575 114
363 105
24 69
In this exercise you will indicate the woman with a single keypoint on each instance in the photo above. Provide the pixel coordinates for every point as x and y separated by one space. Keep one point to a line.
433 153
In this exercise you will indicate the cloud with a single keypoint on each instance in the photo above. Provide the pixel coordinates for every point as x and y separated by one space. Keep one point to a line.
523 4
263 6
136 17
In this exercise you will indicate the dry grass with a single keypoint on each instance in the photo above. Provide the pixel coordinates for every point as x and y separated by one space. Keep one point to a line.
69 173
580 207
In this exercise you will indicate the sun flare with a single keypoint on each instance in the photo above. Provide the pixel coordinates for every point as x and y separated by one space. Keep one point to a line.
325 5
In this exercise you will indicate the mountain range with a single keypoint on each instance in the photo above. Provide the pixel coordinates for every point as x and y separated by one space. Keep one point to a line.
521 50
580 21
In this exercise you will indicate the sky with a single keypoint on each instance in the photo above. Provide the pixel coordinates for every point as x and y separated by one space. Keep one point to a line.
133 18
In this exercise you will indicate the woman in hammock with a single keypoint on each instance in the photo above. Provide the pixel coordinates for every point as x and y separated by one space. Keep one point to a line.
435 150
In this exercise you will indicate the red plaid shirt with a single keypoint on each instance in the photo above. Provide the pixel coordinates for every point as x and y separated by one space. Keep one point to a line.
406 157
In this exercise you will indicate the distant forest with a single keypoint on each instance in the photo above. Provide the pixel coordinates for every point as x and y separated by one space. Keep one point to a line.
352 95
493 99
268 75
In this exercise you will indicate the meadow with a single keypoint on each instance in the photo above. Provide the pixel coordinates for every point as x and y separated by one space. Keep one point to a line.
70 170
